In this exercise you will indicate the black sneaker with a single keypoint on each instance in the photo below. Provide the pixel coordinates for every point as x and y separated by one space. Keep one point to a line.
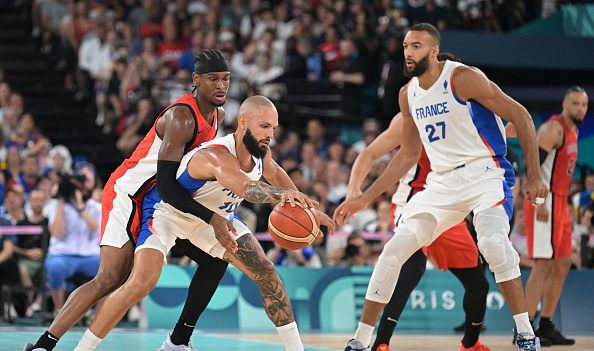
559 339
545 338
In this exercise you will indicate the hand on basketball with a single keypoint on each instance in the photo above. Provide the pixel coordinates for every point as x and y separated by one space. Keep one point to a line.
292 196
347 210
326 221
223 230
542 213
535 191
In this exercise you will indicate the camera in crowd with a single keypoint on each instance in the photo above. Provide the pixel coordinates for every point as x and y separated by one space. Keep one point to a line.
68 184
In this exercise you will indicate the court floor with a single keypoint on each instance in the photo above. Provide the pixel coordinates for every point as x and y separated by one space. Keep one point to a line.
12 339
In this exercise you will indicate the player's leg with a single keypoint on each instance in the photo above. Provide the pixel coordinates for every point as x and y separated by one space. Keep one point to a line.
204 284
148 261
539 235
252 261
476 289
410 275
560 265
415 230
492 227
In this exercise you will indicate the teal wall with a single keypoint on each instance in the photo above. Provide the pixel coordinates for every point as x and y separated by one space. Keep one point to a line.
330 300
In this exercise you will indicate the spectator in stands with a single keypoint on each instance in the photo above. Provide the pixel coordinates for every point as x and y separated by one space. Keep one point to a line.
383 222
78 24
5 92
316 136
141 123
337 185
74 220
31 249
9 272
357 252
12 169
583 234
17 102
32 142
371 129
10 123
60 160
349 77
29 175
330 50
586 196
186 59
172 46
94 61
13 209
308 154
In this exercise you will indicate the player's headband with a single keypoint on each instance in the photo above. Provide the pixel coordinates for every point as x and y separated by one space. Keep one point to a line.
213 65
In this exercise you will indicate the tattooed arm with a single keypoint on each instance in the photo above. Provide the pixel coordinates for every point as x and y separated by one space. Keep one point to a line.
220 164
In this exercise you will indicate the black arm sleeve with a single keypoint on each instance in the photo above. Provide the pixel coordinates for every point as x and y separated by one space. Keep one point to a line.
175 195
542 153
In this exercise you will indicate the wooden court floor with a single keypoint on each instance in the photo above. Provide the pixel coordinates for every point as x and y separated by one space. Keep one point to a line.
12 339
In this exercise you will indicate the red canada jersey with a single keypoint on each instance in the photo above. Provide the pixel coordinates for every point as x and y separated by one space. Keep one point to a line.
136 175
557 170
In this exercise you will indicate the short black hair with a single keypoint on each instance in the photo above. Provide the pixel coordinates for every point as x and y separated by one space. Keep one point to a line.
429 28
208 56
443 56
574 89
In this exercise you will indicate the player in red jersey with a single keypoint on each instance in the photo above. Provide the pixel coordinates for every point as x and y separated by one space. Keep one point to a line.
548 226
188 122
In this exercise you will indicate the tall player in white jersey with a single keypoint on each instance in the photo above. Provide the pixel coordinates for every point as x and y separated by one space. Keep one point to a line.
219 174
451 110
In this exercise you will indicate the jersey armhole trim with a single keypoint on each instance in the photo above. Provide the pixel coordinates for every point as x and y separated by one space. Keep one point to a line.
460 101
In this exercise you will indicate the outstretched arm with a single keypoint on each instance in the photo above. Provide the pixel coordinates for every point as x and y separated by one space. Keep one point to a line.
384 143
471 85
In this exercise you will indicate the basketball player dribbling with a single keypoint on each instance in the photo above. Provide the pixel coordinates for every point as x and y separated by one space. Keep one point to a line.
185 124
548 226
219 174
452 112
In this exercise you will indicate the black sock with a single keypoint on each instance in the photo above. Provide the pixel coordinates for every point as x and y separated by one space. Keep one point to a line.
46 341
471 333
476 289
546 324
409 277
181 333
202 287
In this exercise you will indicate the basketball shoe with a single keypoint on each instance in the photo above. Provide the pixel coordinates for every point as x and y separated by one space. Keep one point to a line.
30 347
383 347
527 342
169 346
356 345
476 347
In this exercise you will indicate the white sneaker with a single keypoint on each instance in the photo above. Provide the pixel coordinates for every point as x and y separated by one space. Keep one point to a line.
169 346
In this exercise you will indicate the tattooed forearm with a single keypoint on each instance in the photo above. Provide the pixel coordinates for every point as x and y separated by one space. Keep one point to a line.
261 271
259 192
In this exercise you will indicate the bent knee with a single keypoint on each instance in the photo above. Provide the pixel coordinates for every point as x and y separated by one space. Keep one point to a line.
107 282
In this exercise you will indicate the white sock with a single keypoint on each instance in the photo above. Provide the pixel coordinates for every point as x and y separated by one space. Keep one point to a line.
364 333
289 335
88 342
523 323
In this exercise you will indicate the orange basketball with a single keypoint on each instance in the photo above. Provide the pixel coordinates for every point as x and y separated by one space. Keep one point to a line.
293 228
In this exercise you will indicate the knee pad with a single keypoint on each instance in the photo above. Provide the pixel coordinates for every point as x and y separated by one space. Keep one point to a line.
492 229
386 272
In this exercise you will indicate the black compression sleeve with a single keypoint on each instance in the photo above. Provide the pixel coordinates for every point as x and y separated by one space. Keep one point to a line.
175 195
542 153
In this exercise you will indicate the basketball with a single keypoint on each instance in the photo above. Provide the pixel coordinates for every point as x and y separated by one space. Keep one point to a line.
293 228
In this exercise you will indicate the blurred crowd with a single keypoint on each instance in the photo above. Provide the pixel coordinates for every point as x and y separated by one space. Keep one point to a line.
132 58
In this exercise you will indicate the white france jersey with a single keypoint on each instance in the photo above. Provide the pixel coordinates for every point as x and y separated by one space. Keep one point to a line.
454 132
210 193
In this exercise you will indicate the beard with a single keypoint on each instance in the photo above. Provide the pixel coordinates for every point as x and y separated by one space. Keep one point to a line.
576 120
252 146
418 69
